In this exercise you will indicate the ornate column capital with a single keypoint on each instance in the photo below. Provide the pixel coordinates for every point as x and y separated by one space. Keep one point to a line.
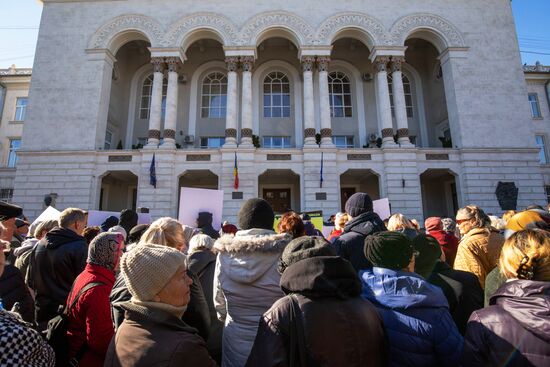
172 63
323 63
307 63
232 63
381 63
158 64
247 63
396 63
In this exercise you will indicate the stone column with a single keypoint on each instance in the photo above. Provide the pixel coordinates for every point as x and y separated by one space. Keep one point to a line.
309 109
383 101
399 104
232 100
170 119
324 102
155 109
247 63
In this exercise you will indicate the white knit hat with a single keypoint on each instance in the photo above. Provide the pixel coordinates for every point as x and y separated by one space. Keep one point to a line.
147 268
119 229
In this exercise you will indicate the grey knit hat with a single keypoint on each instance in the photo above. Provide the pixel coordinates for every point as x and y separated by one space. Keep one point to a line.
147 268
303 248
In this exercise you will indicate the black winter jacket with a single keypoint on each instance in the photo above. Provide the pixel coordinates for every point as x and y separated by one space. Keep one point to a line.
56 264
13 289
196 314
462 291
514 330
351 243
340 328
203 264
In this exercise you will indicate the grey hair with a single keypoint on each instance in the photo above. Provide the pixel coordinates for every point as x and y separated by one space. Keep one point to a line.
481 220
200 242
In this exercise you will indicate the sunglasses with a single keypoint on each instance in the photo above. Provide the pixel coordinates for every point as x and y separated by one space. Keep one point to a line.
460 221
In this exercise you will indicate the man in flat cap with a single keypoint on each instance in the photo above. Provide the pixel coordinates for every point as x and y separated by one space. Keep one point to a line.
8 214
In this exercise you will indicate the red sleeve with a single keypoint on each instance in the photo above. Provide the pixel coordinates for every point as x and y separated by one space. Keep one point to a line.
99 324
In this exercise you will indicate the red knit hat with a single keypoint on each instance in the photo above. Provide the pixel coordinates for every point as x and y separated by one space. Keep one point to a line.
433 224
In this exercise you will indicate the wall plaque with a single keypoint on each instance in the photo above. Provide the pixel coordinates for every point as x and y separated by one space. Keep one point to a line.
279 157
359 157
237 195
437 157
507 195
197 157
120 158
320 196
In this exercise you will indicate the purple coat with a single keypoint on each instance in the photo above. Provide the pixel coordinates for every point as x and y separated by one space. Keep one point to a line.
514 330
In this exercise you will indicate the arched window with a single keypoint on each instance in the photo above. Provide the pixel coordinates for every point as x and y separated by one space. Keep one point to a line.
214 95
276 95
146 90
339 88
408 95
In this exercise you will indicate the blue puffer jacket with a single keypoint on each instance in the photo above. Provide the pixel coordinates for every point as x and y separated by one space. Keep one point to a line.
416 317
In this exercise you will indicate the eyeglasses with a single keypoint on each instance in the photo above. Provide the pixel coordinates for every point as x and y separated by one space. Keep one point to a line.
460 221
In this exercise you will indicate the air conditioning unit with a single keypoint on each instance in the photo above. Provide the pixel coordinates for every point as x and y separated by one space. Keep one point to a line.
189 139
367 77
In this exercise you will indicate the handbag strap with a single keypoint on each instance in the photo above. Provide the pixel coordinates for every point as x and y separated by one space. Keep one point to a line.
86 288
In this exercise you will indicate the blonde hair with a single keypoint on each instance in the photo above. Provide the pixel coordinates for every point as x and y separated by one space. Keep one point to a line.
166 232
526 255
341 220
481 220
399 221
45 227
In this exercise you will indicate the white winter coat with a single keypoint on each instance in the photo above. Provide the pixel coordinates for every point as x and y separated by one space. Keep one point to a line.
246 284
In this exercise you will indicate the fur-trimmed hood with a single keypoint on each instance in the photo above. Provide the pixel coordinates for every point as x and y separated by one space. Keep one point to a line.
253 240
246 256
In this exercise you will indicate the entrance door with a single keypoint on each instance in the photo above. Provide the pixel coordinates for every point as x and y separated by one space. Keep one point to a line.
279 199
345 193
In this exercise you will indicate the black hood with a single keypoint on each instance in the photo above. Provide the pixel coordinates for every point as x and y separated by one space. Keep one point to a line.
60 236
365 224
199 260
528 302
321 276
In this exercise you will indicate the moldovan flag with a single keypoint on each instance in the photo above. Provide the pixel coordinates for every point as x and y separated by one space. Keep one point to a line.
236 174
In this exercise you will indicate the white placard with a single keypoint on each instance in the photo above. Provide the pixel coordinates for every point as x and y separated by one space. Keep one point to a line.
382 208
50 213
96 217
193 201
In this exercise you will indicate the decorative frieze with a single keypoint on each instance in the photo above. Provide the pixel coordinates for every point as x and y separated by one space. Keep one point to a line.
169 134
386 133
309 133
246 133
326 133
402 133
154 134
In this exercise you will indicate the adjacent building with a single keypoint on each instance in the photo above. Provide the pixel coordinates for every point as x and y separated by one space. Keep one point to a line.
423 102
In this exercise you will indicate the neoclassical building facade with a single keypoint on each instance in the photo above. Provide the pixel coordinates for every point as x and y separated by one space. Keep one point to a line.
422 102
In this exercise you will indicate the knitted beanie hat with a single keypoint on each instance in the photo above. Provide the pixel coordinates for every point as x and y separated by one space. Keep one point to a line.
433 224
147 268
429 252
136 232
303 248
256 213
358 204
390 250
118 229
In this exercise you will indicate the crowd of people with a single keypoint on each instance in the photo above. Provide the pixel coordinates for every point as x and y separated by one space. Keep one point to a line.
473 290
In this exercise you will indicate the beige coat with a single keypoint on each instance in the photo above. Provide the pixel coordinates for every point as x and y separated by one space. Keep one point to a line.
478 252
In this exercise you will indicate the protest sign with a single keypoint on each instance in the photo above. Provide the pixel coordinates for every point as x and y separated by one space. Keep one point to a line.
193 201
96 217
382 208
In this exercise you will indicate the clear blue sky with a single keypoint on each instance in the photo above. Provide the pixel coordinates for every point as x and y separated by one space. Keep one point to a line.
21 18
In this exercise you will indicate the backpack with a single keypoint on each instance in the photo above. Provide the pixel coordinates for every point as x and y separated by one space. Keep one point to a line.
56 333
